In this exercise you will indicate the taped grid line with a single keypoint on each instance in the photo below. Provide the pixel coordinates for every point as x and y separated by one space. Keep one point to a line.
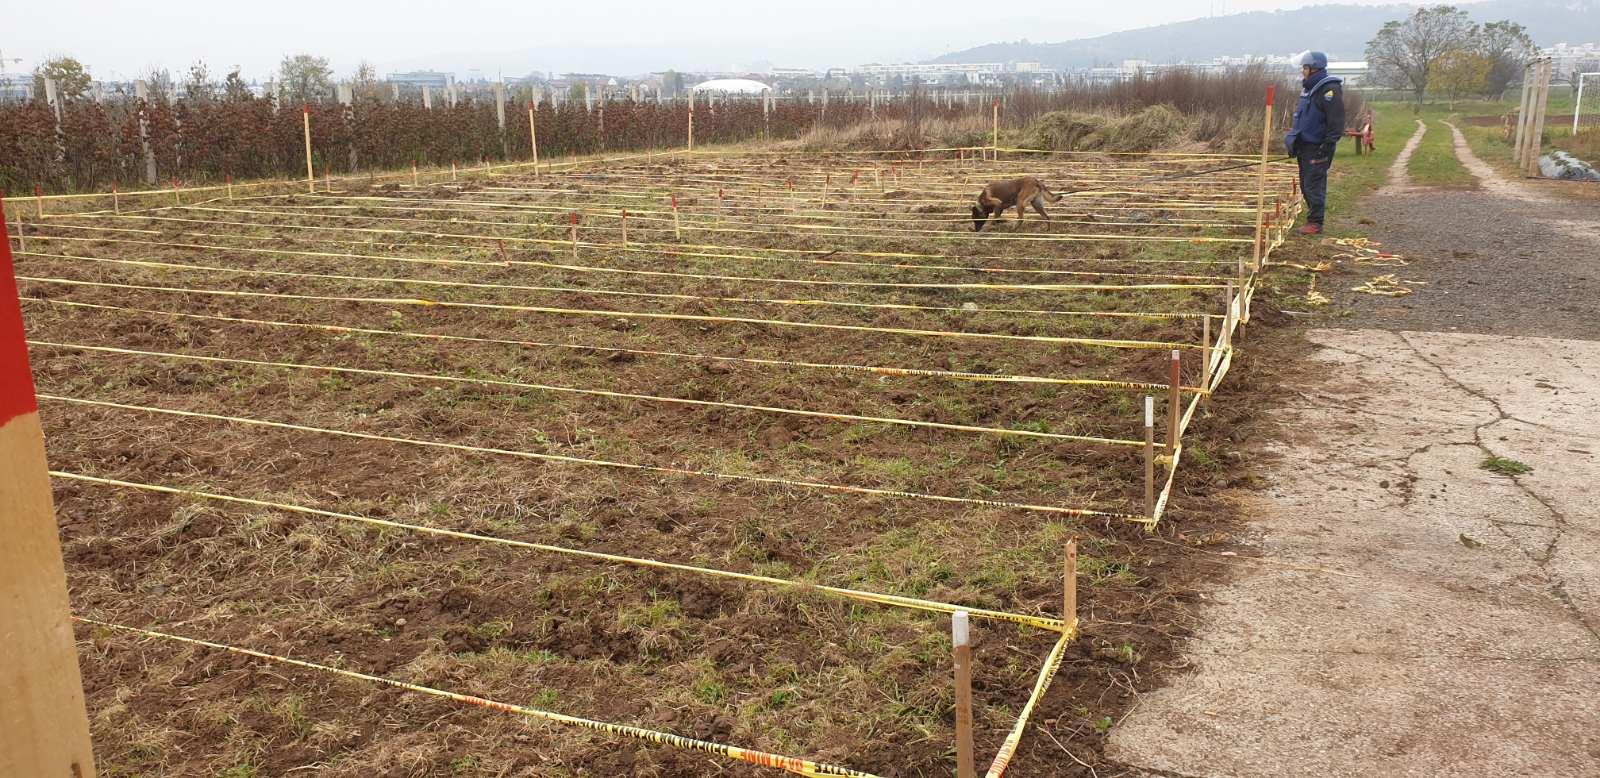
881 370
762 758
571 460
909 332
593 393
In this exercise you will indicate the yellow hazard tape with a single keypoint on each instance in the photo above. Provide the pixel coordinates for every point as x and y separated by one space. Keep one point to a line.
895 371
910 332
591 392
762 758
914 603
1008 747
571 460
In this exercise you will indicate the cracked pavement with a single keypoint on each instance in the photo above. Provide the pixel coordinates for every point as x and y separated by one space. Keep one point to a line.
1423 616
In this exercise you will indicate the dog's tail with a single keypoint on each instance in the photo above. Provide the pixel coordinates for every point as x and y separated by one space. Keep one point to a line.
1051 196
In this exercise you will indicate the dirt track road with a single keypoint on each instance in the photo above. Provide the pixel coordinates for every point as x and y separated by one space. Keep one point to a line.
1410 612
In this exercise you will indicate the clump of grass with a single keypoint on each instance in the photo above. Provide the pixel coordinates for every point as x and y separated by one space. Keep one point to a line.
1158 126
1505 466
1063 130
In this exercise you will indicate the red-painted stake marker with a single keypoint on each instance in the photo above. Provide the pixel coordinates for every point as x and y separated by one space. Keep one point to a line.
44 729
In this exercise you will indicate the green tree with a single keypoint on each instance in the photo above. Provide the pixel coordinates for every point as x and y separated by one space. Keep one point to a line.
72 80
1404 54
306 79
1508 47
1463 71
234 89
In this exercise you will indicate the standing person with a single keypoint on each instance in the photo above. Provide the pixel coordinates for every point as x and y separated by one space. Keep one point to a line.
1314 136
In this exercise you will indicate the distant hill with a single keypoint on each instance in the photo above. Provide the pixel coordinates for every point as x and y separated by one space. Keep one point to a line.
1340 30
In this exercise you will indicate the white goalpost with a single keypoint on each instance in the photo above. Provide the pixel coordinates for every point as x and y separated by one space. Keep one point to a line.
1584 80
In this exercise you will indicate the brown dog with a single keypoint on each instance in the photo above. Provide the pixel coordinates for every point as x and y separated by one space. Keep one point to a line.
1018 192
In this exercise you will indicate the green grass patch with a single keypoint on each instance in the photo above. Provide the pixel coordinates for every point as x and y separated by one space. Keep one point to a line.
1505 466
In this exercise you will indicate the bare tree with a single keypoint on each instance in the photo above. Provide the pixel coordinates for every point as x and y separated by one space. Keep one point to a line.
366 83
1405 53
159 82
198 86
306 79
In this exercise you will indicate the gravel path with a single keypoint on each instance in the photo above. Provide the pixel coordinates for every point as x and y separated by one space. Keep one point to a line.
1507 259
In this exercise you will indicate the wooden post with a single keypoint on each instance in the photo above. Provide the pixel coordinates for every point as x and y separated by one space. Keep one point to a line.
1174 401
691 123
176 198
44 727
1069 587
533 140
961 637
574 234
994 138
116 202
413 172
677 229
624 227
1150 456
1261 179
1205 354
228 179
1522 114
452 170
311 177
1536 133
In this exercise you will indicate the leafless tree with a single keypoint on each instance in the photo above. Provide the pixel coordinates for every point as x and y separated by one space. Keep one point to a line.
1404 53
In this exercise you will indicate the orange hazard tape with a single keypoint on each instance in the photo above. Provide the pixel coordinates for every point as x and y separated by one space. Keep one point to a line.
789 763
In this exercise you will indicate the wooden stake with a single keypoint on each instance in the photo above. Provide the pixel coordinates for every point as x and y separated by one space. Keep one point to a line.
1069 586
574 234
176 199
452 170
533 140
44 729
691 123
624 227
1174 401
229 180
677 229
413 172
994 142
116 202
1150 456
1261 178
1205 354
1523 114
960 636
311 176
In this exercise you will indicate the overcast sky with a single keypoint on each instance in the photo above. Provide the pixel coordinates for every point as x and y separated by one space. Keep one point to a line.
120 39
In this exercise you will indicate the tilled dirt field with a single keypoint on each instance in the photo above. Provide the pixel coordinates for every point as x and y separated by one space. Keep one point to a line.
822 376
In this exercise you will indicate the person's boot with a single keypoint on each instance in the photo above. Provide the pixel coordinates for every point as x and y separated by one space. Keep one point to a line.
1311 228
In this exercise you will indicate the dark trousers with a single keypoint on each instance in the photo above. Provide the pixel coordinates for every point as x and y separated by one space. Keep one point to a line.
1313 181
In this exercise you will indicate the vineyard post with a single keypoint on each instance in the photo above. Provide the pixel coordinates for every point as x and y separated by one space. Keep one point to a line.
961 637
44 726
228 178
452 170
533 140
311 176
116 202
624 228
691 122
141 93
1205 356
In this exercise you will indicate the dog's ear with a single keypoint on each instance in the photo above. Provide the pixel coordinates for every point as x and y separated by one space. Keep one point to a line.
978 217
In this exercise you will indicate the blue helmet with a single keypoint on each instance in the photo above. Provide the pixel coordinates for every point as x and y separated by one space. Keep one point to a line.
1316 59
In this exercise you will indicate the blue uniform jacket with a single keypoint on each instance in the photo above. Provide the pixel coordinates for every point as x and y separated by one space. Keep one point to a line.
1319 116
